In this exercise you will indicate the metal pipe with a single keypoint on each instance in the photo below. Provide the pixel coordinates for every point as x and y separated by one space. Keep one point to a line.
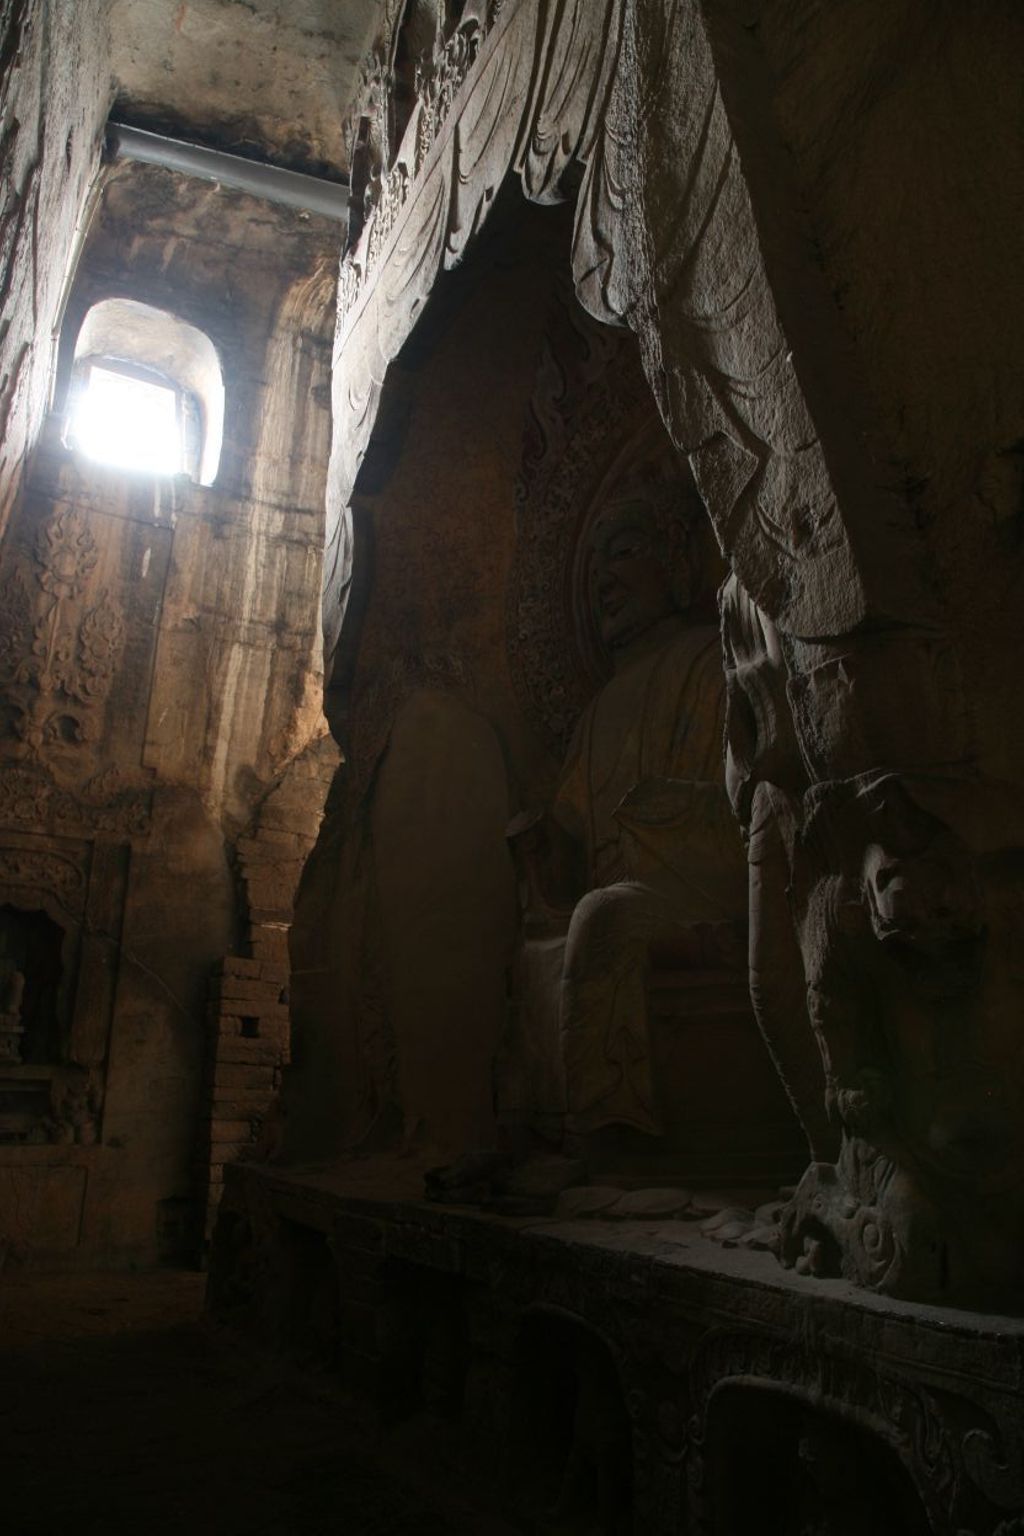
270 182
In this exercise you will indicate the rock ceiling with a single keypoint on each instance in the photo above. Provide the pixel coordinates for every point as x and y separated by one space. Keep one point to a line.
268 77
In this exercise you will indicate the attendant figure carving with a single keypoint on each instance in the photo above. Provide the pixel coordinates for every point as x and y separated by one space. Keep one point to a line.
885 914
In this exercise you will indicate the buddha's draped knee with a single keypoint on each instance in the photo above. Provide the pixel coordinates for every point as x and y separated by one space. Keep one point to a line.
613 928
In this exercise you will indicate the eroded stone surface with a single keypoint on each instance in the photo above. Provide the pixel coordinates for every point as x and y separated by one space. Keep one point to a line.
268 79
54 93
697 1347
161 709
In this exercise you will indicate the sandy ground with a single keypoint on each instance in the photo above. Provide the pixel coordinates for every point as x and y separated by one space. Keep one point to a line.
122 1409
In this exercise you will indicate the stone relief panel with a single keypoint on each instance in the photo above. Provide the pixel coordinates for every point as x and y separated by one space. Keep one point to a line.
587 378
60 643
868 1449
413 72
31 799
592 438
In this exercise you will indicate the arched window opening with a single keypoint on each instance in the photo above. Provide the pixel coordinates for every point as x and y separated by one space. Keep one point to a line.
147 392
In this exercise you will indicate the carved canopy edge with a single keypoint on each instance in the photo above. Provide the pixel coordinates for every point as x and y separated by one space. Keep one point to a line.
666 241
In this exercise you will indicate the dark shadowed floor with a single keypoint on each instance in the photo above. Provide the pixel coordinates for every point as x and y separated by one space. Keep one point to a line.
123 1410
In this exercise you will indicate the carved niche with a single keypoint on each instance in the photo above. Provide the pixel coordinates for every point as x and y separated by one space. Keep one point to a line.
838 1444
60 643
46 1093
643 111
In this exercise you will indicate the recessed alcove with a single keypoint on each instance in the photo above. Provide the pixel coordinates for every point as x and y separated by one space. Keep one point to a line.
804 1468
571 1453
31 970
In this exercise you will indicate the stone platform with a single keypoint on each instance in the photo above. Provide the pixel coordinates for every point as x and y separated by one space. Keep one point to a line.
616 1375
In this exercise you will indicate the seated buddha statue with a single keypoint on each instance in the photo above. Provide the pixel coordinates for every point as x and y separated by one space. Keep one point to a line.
638 864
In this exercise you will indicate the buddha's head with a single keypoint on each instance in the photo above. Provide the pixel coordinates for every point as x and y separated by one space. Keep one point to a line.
640 571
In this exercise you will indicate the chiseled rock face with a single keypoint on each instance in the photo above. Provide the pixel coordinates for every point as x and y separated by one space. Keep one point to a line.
275 76
160 695
900 126
54 93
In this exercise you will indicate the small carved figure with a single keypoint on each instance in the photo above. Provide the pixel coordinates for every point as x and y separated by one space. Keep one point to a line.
639 861
12 993
74 1110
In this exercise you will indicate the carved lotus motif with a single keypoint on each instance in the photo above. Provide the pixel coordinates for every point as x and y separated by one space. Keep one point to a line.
66 553
100 642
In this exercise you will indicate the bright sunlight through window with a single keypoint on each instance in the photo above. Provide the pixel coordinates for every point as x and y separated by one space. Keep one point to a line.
129 422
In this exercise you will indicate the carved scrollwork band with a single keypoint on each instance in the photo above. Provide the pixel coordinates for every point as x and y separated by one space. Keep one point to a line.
964 1473
41 869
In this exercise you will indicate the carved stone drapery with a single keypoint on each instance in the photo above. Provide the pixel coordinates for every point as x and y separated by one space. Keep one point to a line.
668 241
686 233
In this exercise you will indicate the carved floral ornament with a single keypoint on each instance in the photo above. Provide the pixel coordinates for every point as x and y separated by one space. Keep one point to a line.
41 870
30 798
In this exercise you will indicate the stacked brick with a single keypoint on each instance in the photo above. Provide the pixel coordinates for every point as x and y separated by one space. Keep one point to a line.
249 1031
249 1045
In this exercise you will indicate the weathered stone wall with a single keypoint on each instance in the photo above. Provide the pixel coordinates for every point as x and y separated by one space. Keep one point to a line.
249 1038
901 129
271 79
160 677
258 280
54 93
